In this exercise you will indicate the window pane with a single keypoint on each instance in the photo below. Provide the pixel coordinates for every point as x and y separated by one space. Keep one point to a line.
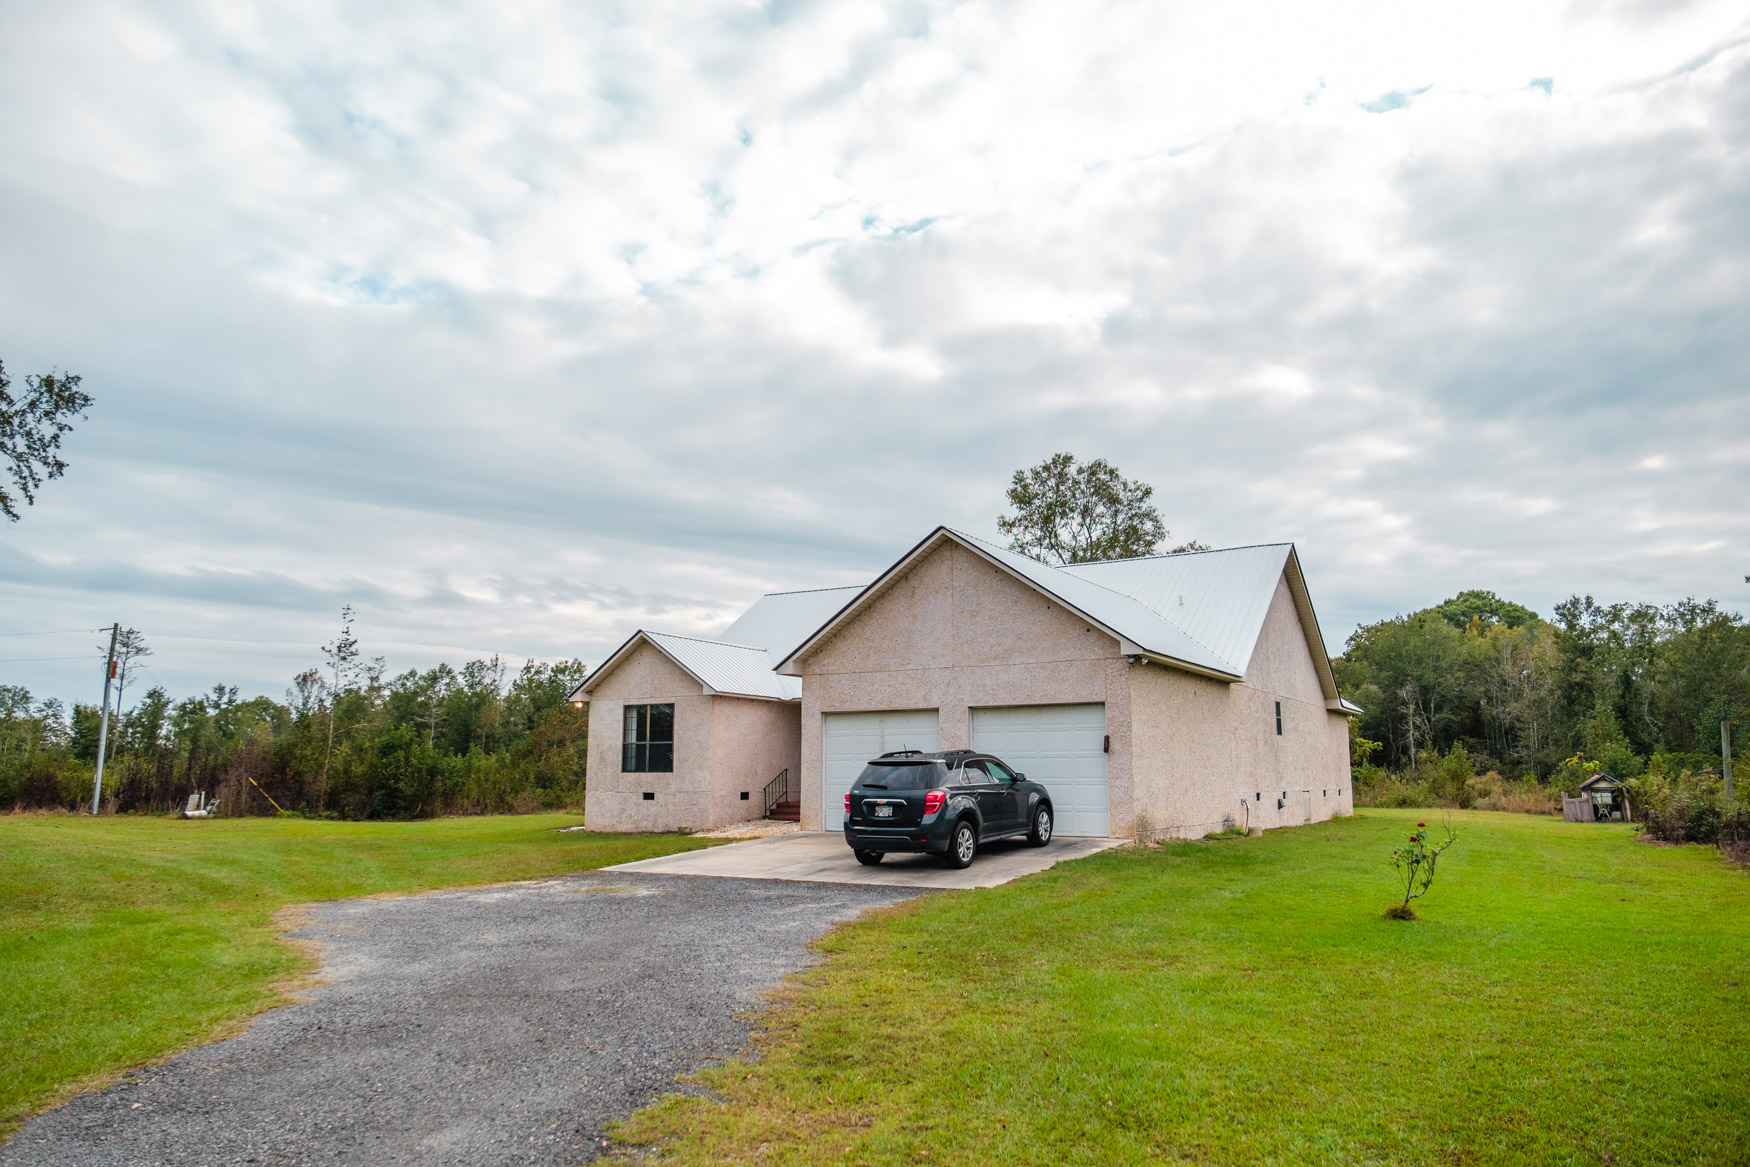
631 723
661 757
999 771
629 758
661 723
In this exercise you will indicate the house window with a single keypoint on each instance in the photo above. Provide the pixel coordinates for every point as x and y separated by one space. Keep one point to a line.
648 747
1279 719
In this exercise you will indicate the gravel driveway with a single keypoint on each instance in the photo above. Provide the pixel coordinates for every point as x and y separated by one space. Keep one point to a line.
498 1025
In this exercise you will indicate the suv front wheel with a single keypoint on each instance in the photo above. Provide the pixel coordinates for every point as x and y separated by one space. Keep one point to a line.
1041 832
962 845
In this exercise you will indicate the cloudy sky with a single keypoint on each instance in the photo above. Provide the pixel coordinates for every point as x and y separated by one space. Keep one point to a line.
519 326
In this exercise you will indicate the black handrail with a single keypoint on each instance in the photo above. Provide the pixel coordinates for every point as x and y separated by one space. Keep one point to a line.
780 784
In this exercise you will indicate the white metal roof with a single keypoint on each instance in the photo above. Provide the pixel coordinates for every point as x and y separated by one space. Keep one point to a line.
1201 611
1217 598
729 668
1128 617
743 670
782 620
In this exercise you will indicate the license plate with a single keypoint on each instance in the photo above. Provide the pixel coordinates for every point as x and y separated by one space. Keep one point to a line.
884 812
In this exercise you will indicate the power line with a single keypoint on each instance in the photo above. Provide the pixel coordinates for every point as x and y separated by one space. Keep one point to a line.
61 632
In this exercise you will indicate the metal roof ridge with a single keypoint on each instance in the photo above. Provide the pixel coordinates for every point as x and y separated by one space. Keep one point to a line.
806 591
1124 595
704 640
1173 555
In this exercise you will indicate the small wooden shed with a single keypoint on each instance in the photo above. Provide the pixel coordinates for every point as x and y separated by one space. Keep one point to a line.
1602 799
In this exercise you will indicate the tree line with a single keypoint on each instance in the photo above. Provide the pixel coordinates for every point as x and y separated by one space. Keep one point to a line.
1619 688
347 742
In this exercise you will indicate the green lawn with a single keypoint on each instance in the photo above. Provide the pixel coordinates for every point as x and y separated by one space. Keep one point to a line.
1571 995
122 939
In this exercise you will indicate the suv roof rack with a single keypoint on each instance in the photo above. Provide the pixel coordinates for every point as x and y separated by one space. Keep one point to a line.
903 754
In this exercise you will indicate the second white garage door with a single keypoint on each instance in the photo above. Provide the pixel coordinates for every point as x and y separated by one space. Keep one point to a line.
1061 746
851 739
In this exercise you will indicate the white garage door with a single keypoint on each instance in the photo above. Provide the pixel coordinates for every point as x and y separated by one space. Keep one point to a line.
1060 746
853 738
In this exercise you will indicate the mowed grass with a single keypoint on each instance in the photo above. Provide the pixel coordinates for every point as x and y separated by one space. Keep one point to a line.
122 939
1571 995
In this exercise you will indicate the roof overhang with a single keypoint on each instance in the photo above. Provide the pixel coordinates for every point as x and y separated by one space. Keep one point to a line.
1315 640
790 665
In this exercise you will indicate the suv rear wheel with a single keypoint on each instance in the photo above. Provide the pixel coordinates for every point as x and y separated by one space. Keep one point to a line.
870 858
962 845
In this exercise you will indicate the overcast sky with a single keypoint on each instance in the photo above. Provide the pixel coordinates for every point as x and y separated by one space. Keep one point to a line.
520 326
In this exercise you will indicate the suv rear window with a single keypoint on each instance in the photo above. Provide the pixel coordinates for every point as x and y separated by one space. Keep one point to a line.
916 776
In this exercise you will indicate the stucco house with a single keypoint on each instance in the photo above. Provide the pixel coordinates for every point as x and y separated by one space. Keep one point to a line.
1156 697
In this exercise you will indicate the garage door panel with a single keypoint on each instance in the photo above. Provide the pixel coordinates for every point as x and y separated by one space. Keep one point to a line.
1061 747
851 739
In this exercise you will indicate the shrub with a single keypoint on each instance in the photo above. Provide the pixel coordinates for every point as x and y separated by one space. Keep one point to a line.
1417 861
1527 796
1689 808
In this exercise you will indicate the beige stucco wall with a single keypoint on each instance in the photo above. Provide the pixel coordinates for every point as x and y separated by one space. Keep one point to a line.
750 742
953 634
722 746
614 801
1202 744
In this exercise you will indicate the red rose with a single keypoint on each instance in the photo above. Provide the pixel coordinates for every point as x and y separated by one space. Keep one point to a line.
1420 825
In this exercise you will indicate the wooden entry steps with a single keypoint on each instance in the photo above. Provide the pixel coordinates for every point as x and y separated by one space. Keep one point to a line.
786 812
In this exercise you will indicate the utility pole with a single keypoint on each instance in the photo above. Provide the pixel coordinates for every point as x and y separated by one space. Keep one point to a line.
103 725
1726 752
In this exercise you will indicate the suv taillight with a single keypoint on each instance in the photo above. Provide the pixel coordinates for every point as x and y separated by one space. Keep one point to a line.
935 800
847 802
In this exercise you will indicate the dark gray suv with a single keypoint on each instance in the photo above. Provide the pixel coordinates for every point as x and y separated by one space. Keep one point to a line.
947 803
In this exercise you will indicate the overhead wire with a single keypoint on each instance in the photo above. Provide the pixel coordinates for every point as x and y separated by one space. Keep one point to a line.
56 632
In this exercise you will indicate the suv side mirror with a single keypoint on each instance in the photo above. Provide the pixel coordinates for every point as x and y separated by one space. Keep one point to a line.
1020 777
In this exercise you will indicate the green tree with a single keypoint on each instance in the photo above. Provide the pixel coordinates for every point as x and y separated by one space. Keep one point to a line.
1074 512
31 428
1485 608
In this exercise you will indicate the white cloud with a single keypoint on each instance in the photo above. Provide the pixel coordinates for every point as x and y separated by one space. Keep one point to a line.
522 327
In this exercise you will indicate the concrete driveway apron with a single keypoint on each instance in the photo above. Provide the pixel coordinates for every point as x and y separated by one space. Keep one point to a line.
823 857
